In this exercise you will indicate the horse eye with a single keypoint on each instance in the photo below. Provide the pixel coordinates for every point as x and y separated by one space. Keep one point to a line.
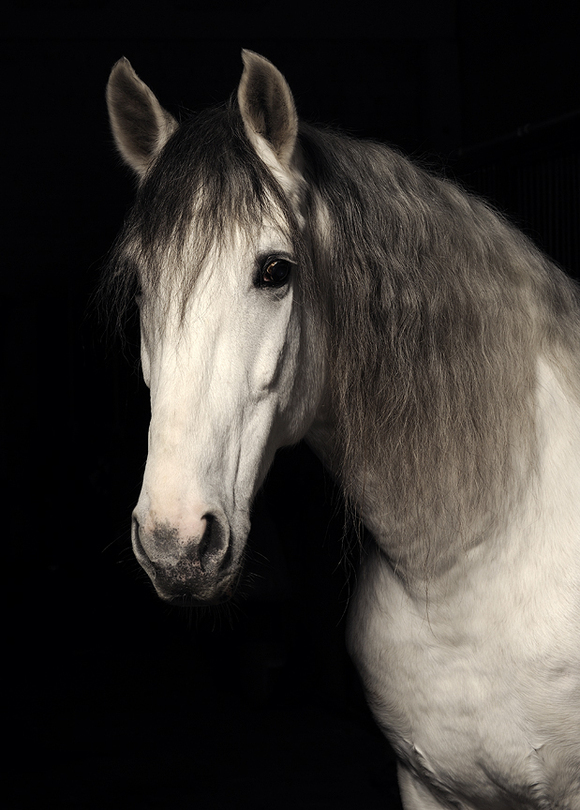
274 273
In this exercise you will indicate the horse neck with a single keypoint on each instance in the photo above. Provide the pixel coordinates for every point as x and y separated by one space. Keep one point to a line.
428 542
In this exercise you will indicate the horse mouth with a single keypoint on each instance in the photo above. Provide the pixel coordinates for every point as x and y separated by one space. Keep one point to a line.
186 600
192 591
194 596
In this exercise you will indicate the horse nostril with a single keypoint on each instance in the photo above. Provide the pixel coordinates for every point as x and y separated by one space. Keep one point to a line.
135 537
213 547
165 550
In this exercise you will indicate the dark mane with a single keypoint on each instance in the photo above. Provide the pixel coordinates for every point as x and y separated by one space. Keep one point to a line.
437 312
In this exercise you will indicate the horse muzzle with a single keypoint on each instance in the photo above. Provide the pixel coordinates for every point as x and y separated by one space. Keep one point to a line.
186 569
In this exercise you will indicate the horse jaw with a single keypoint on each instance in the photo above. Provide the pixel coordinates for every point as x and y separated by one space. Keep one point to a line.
140 125
270 120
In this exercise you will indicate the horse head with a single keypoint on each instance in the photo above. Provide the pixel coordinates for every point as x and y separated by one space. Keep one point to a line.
232 365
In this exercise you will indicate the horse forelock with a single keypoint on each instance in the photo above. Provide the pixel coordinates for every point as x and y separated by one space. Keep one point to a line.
206 186
437 312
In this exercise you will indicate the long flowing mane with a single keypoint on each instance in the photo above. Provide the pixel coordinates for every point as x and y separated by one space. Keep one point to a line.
435 310
438 315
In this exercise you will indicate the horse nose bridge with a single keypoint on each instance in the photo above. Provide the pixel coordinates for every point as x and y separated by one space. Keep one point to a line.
183 366
175 456
188 418
172 420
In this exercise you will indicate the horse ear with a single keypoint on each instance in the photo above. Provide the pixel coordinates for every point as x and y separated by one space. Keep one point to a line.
268 110
140 125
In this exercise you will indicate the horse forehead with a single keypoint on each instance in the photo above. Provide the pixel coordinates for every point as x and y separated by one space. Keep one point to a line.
232 248
246 241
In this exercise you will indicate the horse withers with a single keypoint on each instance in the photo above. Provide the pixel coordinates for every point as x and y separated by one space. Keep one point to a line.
296 283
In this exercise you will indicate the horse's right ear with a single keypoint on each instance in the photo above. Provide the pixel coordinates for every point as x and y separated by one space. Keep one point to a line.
140 125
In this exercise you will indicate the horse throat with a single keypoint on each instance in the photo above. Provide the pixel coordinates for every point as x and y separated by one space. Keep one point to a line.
424 528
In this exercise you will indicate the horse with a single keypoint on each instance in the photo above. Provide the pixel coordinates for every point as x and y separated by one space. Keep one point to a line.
297 283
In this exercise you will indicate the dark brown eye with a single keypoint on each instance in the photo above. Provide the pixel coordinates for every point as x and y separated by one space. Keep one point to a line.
274 273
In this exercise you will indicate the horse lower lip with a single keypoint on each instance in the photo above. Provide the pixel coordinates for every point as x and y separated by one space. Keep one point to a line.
187 600
196 594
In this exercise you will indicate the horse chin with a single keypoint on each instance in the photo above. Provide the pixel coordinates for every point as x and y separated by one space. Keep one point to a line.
195 592
193 595
190 600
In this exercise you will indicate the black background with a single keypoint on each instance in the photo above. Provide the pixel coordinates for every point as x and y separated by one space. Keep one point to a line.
114 700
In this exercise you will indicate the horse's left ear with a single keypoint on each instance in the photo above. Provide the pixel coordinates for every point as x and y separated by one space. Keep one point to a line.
140 125
268 111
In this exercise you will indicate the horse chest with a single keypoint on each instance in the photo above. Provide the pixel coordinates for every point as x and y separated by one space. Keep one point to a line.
471 706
